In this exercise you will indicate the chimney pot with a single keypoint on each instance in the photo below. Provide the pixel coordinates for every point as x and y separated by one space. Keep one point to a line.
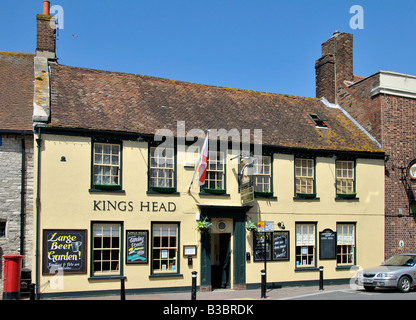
46 7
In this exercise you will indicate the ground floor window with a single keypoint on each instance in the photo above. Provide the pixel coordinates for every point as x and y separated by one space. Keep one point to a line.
345 244
305 245
106 249
165 246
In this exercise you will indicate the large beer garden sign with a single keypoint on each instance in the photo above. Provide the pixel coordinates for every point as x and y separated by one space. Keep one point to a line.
64 250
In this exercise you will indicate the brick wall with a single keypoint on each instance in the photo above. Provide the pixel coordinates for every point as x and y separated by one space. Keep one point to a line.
391 120
399 141
10 197
335 66
46 40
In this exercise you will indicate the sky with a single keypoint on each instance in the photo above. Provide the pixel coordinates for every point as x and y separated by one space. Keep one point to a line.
262 45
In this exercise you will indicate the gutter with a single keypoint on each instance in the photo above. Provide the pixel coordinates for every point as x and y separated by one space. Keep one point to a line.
22 197
336 106
37 249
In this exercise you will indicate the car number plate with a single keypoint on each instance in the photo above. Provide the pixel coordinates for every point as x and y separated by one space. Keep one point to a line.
368 281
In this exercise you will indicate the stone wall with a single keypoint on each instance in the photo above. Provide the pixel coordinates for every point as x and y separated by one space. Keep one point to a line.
10 197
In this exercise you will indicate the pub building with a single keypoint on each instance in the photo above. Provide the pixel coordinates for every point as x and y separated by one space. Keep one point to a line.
117 192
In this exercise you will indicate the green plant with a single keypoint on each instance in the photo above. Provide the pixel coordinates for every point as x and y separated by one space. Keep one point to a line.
203 225
251 226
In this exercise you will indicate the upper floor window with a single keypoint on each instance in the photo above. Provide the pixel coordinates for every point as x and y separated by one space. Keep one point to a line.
215 177
345 178
106 163
262 174
162 169
305 175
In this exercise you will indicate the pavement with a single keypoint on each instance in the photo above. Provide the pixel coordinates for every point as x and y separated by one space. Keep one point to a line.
284 293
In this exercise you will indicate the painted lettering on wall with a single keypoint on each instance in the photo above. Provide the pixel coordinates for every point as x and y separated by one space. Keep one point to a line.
129 206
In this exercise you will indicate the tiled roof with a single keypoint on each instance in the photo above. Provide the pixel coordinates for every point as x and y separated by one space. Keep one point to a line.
102 100
16 91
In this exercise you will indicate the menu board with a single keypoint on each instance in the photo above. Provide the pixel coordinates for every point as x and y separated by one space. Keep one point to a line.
277 245
64 250
137 246
281 245
259 238
327 245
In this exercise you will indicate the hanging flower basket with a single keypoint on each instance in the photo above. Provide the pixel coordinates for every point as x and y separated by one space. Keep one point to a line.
203 225
251 226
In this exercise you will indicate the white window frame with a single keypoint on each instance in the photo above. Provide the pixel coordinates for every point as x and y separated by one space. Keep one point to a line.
262 173
305 254
165 253
305 175
162 167
106 164
106 249
345 176
346 244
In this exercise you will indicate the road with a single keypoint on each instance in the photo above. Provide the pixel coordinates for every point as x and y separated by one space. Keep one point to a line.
356 294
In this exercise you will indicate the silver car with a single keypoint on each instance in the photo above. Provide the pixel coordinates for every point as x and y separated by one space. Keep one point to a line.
397 272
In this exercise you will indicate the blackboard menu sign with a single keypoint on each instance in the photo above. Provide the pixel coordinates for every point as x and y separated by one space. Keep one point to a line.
259 238
281 245
64 250
327 245
137 244
277 246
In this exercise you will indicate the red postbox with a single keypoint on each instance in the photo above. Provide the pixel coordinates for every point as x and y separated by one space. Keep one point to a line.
12 269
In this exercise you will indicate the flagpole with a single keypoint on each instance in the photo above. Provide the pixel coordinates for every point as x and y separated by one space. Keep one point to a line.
199 161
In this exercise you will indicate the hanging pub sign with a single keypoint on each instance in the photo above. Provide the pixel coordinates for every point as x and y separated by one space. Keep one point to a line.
137 244
246 185
327 245
64 250
412 170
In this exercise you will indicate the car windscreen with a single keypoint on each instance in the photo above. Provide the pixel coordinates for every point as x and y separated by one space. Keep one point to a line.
403 261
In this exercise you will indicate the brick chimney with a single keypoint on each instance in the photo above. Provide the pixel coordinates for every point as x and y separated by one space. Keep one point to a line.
46 33
335 66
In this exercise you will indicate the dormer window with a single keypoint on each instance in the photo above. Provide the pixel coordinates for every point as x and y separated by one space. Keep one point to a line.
317 120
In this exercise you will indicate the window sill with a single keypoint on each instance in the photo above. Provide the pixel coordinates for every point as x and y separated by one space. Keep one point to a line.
114 277
348 267
165 275
112 189
162 190
306 196
268 195
350 196
306 269
213 192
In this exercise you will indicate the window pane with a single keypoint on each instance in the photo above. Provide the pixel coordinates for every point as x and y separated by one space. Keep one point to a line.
165 247
106 248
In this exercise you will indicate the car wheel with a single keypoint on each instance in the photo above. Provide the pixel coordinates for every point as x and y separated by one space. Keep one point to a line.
404 284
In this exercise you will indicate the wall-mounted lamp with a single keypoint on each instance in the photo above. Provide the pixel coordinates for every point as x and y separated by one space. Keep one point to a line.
63 159
281 225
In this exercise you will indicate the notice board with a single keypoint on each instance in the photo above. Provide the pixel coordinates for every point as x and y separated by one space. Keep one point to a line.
64 250
137 246
327 245
281 245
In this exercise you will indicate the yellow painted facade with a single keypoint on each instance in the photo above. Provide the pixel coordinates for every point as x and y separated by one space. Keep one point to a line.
67 203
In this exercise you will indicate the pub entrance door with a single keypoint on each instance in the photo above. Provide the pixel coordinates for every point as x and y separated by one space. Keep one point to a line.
220 260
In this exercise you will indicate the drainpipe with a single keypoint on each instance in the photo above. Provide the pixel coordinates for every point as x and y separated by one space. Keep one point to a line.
37 249
22 198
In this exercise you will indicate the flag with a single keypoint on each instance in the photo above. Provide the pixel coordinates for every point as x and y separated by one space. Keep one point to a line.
202 170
